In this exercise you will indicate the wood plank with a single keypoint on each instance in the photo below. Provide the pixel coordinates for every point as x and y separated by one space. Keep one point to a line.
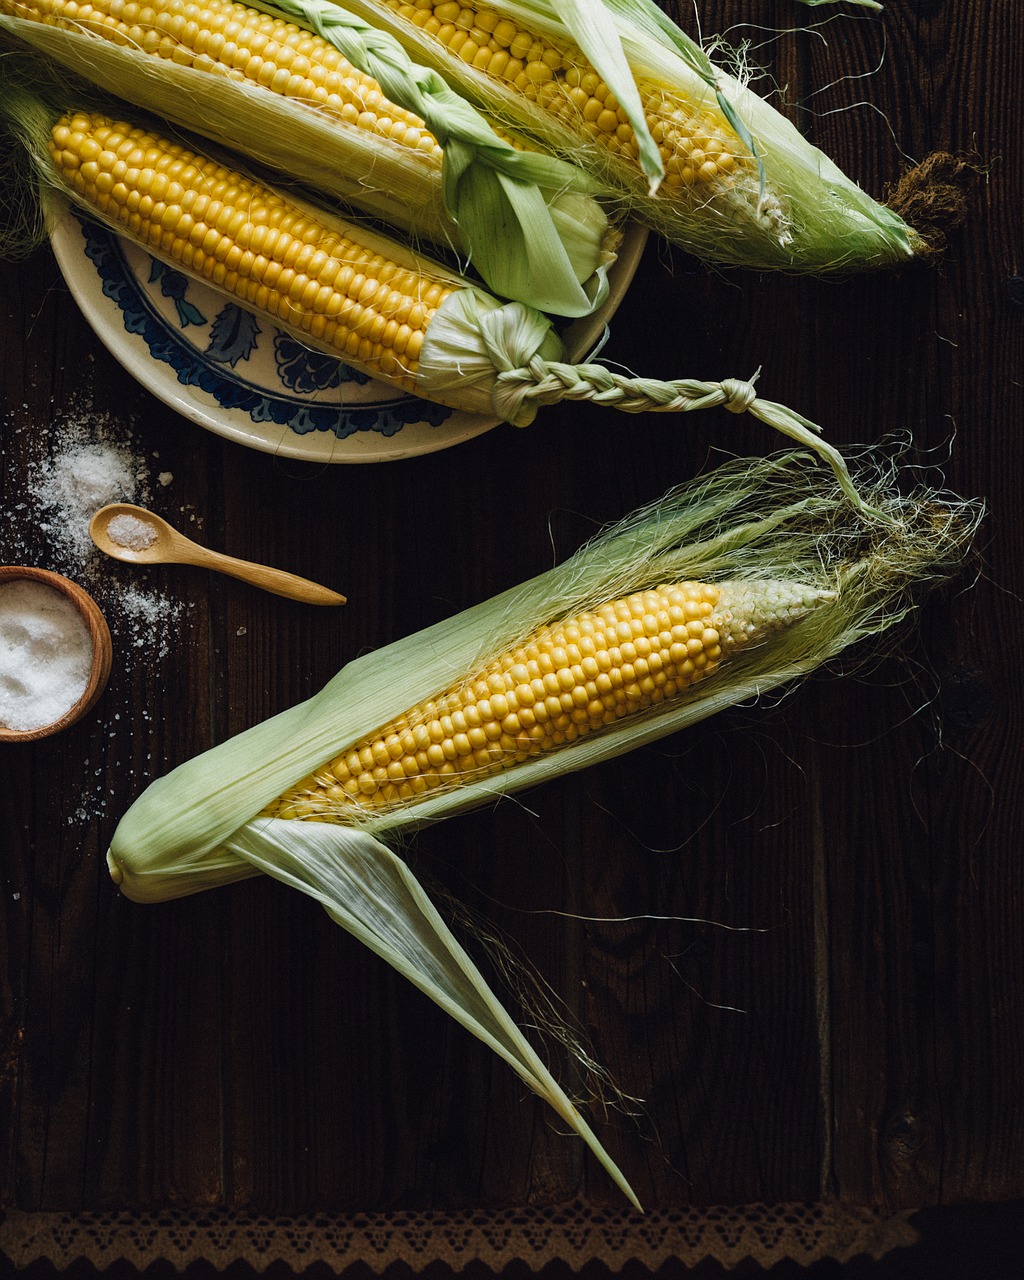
907 892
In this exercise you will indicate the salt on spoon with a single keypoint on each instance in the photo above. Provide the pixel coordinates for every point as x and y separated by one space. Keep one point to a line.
131 533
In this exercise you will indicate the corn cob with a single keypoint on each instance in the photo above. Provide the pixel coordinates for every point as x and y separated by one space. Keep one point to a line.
359 296
290 99
700 150
686 147
259 56
562 683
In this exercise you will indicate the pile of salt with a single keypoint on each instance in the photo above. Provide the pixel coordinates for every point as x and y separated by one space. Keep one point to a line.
86 475
45 655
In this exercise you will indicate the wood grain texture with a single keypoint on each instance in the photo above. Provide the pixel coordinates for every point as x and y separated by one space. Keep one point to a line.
792 936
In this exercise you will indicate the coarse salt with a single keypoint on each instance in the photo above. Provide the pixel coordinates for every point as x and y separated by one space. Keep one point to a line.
46 655
130 532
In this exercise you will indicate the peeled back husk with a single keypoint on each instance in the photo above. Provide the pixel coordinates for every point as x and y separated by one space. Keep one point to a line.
786 205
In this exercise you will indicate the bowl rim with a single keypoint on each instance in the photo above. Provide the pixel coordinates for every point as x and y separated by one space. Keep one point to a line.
99 634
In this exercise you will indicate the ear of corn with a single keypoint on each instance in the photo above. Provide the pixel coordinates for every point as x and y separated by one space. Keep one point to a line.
566 681
343 289
315 147
740 185
337 284
793 576
289 99
808 576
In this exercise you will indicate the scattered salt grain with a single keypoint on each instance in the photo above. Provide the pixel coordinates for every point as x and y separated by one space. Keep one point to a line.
147 622
49 525
45 655
132 533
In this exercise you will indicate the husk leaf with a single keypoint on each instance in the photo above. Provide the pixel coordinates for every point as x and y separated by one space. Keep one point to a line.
863 4
591 26
373 895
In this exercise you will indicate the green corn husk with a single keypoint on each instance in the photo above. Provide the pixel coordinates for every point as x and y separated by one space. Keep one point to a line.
774 519
794 210
526 221
479 355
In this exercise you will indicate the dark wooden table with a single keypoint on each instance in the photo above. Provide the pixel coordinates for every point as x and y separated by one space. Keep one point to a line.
815 989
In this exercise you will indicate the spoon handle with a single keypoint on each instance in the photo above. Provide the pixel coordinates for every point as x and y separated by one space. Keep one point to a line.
277 581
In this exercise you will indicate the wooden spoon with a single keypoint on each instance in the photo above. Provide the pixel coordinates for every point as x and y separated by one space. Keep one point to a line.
168 546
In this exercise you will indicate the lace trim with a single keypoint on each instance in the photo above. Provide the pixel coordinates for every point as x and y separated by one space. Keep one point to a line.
574 1234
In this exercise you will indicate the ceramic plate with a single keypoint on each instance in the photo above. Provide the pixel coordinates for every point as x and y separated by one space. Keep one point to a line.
222 368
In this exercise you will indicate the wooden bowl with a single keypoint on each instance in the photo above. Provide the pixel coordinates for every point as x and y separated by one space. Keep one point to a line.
102 648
